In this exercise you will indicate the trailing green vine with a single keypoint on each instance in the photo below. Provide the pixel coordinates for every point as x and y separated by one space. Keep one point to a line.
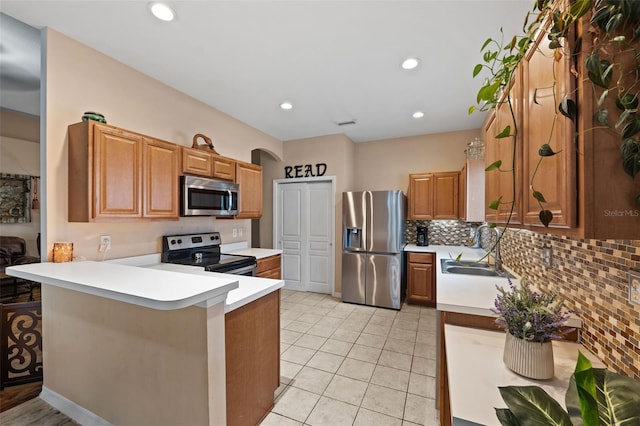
612 66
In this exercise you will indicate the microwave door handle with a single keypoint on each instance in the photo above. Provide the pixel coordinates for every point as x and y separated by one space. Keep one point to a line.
230 200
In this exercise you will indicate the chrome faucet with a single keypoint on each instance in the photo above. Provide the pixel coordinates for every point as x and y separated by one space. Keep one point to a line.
496 248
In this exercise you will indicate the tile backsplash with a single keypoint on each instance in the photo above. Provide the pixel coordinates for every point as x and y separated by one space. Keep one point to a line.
441 232
592 276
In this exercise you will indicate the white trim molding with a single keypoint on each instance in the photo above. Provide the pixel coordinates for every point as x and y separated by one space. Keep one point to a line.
71 409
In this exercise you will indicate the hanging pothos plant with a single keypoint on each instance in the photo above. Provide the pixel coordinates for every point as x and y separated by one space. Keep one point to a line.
612 66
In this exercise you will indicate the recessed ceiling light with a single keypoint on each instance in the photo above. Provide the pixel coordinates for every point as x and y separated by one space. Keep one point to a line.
286 105
162 11
418 114
410 63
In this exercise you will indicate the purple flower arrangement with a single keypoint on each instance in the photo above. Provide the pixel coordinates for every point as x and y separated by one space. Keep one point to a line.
529 315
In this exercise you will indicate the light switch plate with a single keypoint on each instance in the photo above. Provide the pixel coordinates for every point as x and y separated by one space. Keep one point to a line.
634 287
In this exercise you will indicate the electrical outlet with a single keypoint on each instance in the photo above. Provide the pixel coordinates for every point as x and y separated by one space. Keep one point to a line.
235 233
240 231
547 256
634 287
105 243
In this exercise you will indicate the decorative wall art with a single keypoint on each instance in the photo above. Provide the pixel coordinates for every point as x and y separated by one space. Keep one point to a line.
15 198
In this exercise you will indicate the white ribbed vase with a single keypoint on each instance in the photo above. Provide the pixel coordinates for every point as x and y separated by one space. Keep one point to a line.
529 359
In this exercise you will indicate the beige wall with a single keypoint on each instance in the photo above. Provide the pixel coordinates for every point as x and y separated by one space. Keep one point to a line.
18 156
376 165
105 362
80 79
385 164
19 126
336 151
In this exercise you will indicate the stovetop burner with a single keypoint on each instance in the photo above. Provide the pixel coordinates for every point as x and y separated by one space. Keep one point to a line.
202 250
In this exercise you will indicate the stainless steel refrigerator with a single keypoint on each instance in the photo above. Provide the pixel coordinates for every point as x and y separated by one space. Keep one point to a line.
372 243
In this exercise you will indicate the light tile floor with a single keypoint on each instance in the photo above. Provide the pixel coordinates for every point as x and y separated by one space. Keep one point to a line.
345 364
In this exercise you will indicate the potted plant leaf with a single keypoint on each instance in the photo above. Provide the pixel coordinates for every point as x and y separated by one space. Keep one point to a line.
595 397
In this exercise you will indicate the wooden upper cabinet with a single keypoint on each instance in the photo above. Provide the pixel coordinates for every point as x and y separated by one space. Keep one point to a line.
197 162
105 175
507 183
434 196
584 184
607 207
555 178
224 168
446 195
160 165
491 178
115 174
249 177
201 162
421 196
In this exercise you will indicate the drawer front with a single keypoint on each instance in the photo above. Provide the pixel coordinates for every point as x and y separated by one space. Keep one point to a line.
421 257
267 263
224 168
273 274
196 162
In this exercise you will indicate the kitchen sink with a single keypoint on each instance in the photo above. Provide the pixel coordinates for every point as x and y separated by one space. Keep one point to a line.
447 263
466 267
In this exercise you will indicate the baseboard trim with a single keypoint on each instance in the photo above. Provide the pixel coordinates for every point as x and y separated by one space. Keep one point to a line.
71 409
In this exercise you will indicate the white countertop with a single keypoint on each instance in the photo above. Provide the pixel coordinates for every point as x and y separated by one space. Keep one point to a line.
467 294
475 370
162 290
248 290
462 293
258 253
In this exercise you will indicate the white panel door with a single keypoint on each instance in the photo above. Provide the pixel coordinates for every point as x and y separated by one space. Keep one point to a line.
290 233
303 226
319 275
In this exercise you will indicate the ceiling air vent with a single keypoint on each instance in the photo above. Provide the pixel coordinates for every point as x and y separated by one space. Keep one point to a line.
345 123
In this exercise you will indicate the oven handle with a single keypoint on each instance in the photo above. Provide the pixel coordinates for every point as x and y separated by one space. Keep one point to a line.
230 200
243 271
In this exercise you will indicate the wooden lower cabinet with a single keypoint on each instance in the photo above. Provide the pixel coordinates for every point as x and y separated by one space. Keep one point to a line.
252 341
421 276
269 267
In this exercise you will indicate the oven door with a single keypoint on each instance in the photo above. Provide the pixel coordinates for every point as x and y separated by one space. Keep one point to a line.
207 197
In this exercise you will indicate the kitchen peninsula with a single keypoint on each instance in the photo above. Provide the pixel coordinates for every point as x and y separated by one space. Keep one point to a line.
131 345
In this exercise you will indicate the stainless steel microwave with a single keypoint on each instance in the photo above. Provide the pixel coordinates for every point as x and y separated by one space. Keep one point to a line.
207 197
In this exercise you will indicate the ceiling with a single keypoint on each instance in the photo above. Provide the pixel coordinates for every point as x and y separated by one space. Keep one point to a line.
336 61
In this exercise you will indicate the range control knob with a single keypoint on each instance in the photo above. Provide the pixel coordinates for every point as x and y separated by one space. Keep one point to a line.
179 241
172 242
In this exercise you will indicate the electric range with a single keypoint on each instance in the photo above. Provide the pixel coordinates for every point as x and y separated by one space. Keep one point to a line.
204 250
